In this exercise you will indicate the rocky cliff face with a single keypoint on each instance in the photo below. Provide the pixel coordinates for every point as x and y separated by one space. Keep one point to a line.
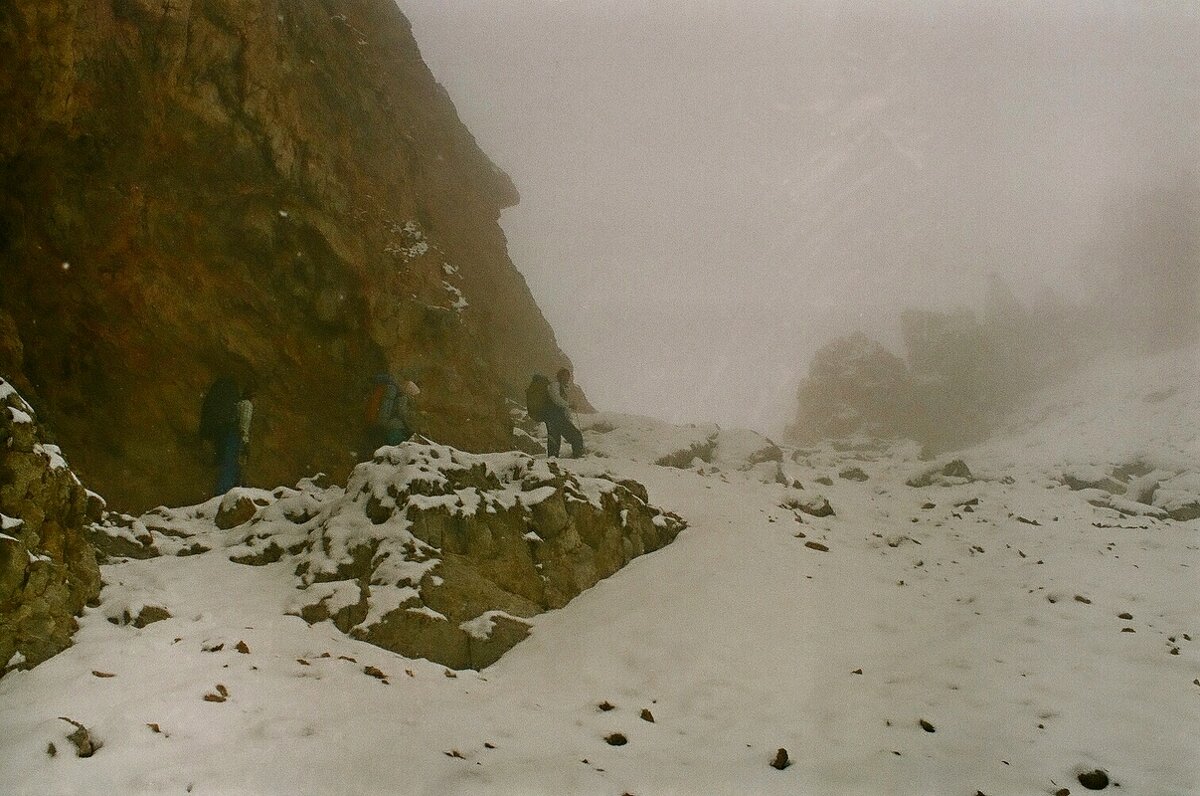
277 191
48 569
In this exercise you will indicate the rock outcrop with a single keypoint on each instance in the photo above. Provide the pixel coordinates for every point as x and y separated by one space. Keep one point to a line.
427 551
1137 489
276 191
48 570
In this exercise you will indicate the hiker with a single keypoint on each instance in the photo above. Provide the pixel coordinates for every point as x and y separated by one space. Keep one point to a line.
245 412
389 412
559 421
537 399
219 426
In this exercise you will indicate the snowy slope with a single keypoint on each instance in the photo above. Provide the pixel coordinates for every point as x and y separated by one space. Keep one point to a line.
997 622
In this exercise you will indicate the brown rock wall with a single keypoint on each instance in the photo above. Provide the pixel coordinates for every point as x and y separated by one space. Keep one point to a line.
279 191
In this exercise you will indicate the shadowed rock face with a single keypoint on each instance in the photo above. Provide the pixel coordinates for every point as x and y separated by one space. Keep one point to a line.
48 570
278 191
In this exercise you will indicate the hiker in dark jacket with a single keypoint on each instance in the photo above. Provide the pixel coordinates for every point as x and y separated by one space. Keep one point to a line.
537 399
559 421
219 426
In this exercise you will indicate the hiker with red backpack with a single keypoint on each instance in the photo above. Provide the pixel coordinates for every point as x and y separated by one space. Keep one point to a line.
389 412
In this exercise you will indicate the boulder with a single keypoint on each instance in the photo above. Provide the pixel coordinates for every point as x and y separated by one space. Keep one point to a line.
48 569
237 508
436 553
951 473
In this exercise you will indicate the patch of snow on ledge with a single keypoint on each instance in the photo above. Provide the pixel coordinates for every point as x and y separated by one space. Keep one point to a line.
481 627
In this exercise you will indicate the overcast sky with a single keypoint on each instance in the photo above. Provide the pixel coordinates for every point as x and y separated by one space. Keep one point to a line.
712 190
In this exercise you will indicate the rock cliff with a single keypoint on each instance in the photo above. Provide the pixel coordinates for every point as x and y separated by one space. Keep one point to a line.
277 191
48 569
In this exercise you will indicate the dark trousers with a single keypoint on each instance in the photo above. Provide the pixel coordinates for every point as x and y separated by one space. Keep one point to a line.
229 455
377 436
558 426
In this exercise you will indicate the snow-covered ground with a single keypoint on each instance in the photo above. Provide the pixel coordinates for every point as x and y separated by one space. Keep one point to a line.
1035 634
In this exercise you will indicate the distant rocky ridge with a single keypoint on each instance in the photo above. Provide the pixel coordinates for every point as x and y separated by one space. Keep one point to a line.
278 191
427 551
48 569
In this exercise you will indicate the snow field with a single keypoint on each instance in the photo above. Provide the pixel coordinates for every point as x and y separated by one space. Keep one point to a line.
989 609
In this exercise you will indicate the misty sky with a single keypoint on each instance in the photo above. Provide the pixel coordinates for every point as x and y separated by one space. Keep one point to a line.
712 190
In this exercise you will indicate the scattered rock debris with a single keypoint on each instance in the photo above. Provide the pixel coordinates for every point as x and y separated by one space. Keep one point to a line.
242 648
816 546
52 750
926 726
616 739
222 693
374 672
102 674
606 706
1079 598
450 673
216 648
646 715
454 753
1094 780
85 744
781 760
155 728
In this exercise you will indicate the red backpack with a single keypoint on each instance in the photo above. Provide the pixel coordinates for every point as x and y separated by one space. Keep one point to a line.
378 407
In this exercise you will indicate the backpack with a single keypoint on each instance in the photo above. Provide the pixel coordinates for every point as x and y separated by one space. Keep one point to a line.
537 397
381 401
218 412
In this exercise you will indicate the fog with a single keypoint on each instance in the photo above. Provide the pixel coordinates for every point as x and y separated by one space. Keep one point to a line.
711 191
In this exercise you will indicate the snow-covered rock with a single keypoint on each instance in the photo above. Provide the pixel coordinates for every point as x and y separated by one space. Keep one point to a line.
705 447
428 551
48 569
